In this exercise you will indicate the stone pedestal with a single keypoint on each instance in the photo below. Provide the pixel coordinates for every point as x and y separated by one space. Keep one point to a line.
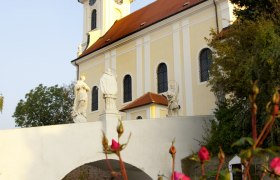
110 121
110 102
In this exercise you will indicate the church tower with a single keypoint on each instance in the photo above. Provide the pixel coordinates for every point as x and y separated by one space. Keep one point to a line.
99 16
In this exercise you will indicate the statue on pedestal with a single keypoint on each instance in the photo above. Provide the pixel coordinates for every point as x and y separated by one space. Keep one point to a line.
81 100
172 98
109 88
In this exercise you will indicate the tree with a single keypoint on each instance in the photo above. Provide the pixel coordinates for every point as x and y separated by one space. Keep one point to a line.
248 50
1 102
252 10
45 106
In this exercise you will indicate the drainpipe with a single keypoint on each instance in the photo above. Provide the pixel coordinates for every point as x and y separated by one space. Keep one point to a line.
77 70
216 16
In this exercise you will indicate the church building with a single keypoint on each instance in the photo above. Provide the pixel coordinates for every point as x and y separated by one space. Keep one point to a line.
161 43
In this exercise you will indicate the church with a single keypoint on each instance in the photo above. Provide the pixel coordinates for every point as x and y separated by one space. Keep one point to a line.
149 49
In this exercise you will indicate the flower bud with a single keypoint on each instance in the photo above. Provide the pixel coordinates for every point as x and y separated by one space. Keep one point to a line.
255 88
172 149
115 145
120 128
275 165
180 176
275 98
160 177
203 154
105 142
221 155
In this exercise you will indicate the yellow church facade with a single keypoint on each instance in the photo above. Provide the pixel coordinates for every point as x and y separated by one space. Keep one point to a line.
161 43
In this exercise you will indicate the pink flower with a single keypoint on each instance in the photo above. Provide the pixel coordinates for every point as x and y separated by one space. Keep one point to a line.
180 176
203 154
115 145
275 165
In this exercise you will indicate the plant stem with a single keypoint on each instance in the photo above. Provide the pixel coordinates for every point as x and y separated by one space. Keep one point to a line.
109 165
254 122
219 169
262 175
123 170
247 169
202 169
265 131
173 167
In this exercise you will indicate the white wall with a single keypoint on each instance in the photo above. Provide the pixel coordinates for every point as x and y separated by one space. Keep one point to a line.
150 142
51 152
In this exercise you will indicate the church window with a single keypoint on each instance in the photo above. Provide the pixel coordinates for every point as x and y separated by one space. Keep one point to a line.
93 19
162 83
127 89
205 61
91 2
94 99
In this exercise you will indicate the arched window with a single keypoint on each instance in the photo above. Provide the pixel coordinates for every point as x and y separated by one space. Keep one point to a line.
94 99
127 88
91 2
139 117
205 61
93 19
162 83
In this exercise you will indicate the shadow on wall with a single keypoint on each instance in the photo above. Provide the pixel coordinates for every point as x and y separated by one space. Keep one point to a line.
99 170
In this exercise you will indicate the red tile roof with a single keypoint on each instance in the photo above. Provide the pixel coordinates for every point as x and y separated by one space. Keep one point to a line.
141 19
146 99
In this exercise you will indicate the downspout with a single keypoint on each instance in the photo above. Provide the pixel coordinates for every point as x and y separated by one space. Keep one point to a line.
77 70
216 16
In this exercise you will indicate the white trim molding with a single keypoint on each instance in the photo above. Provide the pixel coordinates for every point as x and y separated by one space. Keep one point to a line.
107 61
113 60
139 67
177 58
187 68
147 63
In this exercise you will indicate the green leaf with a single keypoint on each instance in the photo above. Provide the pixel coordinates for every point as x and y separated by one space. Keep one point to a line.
245 154
243 141
194 157
224 175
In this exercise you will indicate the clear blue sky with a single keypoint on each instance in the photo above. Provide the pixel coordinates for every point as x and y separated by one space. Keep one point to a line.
38 41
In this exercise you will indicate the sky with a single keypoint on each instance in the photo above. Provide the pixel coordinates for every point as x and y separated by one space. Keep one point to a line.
38 39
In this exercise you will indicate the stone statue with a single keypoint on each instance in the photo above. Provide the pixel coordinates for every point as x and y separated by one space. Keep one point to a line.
109 88
81 100
172 98
80 50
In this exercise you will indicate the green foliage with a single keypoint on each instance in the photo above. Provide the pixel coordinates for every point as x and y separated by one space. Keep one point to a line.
243 141
45 106
247 51
252 9
224 175
1 103
227 128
